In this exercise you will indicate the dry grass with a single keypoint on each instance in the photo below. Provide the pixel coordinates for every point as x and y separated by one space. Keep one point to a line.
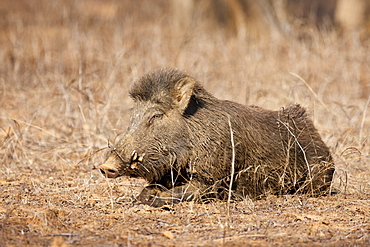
65 71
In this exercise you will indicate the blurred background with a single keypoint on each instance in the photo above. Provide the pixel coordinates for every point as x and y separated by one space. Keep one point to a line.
65 70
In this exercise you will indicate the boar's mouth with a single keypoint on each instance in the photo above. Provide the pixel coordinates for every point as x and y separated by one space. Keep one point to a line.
135 161
144 165
116 166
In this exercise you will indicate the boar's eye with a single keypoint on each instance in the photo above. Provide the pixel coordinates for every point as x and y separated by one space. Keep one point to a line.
154 117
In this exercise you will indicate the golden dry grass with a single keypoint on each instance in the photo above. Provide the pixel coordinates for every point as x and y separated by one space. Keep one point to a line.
66 67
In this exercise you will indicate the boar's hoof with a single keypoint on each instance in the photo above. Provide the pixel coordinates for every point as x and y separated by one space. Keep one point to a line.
109 171
156 196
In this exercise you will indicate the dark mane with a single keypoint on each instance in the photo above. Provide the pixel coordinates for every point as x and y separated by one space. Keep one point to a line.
156 86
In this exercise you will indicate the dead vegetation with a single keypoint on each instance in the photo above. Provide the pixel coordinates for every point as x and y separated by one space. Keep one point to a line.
65 72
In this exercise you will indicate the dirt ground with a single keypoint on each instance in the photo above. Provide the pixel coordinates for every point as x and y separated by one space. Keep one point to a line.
65 70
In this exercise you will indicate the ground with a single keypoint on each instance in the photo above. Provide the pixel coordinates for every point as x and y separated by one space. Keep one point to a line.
64 78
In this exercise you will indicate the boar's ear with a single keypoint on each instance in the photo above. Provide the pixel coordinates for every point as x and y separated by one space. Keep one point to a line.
183 91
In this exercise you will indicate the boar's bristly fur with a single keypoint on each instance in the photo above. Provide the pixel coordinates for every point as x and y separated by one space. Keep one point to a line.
179 140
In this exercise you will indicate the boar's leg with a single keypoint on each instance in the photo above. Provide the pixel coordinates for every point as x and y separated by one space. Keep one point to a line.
158 196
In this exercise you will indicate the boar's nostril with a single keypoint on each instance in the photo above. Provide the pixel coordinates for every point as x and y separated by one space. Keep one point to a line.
109 172
102 171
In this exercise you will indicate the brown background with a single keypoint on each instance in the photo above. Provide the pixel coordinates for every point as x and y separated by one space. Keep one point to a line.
65 70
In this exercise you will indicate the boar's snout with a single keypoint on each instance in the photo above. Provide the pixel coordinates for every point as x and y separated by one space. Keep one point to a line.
109 170
115 165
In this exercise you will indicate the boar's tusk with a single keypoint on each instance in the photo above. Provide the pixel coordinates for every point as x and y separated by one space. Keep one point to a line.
134 155
133 166
140 159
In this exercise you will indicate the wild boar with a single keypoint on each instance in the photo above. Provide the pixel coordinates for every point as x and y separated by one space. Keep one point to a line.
190 145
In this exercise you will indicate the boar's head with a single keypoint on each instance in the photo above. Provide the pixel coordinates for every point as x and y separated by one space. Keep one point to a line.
156 143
